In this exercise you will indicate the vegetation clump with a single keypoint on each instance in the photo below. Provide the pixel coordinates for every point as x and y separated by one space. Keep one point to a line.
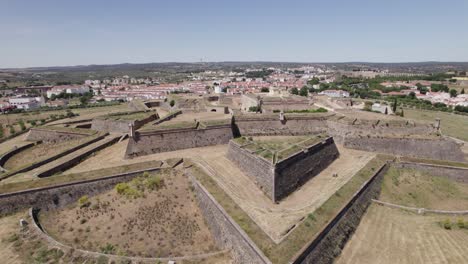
136 187
84 201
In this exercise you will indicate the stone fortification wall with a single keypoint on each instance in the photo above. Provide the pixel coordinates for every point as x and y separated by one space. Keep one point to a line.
297 169
344 128
226 231
119 126
280 179
327 245
50 135
431 148
459 174
294 124
150 142
61 195
261 171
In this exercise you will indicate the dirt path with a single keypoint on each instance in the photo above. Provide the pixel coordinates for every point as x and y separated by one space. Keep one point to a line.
387 235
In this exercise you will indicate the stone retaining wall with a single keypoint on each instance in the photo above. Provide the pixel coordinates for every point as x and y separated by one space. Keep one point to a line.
50 135
119 126
458 174
16 150
270 125
63 194
437 148
226 232
260 170
150 142
328 244
297 169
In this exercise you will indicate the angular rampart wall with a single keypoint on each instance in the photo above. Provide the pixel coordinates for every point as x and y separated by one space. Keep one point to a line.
150 142
226 231
328 244
50 135
280 179
257 125
436 148
297 169
260 170
119 126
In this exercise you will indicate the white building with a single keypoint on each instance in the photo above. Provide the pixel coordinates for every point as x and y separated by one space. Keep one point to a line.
56 90
335 93
25 103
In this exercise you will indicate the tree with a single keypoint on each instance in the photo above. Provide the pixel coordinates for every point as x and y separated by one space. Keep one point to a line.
264 90
386 111
295 91
304 91
453 93
394 107
462 91
412 95
314 81
172 103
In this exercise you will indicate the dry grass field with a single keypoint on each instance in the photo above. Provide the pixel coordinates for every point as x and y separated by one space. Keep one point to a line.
152 216
417 189
388 235
452 124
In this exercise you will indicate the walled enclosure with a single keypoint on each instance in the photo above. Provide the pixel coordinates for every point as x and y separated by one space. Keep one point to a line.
156 141
107 124
280 179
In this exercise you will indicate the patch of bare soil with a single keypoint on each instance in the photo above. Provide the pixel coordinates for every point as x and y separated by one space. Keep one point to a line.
135 220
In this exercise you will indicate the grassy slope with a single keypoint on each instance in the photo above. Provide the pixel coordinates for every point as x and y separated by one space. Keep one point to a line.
415 188
452 124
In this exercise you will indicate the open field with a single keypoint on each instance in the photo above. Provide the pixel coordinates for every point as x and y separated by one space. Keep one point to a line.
157 216
388 235
12 143
418 189
452 124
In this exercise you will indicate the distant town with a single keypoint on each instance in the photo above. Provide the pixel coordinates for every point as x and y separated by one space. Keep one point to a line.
440 90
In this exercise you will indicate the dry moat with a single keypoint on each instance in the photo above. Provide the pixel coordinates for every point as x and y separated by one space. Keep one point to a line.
153 215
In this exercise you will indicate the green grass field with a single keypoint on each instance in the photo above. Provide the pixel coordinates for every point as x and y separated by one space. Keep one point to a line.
452 124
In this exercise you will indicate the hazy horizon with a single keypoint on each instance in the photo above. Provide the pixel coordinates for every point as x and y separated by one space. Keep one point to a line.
53 33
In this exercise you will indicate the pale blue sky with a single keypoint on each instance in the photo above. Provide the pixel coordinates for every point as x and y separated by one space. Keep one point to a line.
66 32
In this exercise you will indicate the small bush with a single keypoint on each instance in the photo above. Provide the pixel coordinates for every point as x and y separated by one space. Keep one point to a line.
154 183
447 224
461 223
84 201
108 249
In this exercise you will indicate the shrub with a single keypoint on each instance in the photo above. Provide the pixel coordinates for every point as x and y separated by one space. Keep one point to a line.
22 125
461 223
172 103
121 188
108 249
84 201
447 224
12 130
146 174
154 183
